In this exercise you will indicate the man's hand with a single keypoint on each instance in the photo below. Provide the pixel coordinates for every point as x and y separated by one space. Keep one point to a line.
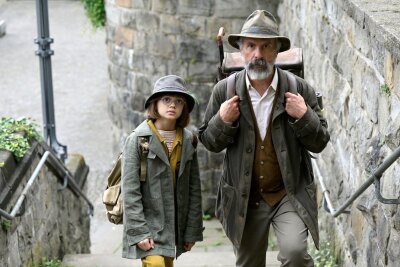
188 245
146 244
229 110
295 105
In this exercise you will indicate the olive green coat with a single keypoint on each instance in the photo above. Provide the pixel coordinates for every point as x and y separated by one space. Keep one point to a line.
150 210
291 142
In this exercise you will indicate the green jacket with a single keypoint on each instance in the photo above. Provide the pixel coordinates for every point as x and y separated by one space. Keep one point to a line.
292 141
150 208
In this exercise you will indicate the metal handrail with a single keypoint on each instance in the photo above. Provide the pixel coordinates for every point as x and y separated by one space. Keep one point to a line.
375 177
68 178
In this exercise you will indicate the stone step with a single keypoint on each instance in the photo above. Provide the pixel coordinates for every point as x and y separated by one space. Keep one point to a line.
191 259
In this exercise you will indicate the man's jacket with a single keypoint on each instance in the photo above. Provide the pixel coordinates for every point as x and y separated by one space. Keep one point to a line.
151 209
292 141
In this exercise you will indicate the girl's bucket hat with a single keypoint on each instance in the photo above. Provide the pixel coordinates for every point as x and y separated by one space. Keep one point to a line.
171 84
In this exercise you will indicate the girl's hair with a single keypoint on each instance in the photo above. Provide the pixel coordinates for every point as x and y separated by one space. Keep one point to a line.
152 112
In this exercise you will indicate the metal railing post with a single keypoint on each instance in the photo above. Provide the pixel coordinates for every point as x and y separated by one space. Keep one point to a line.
44 52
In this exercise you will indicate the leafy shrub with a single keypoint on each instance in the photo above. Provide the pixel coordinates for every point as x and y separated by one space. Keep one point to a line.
15 135
324 257
96 12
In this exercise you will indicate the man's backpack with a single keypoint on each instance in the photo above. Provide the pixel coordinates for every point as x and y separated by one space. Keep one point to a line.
112 197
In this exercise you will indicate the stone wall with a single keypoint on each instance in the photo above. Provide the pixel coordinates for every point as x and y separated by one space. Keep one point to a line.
351 50
149 39
53 223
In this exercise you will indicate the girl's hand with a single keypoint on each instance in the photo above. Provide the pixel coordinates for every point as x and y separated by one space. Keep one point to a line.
188 245
146 244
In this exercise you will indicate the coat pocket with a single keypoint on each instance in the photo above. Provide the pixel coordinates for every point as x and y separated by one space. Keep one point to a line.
224 199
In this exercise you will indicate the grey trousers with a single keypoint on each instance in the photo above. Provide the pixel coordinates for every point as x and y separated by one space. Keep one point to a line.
290 231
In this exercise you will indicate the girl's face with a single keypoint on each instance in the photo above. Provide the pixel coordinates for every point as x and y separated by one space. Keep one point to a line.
170 107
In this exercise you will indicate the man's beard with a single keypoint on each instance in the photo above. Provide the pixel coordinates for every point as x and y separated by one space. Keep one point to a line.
259 69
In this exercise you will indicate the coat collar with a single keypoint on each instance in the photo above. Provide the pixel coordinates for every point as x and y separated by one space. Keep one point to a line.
245 102
156 147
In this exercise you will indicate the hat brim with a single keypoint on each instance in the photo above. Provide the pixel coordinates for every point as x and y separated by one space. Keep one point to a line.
189 99
285 42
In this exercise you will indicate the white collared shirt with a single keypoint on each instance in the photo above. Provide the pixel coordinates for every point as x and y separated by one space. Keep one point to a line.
262 105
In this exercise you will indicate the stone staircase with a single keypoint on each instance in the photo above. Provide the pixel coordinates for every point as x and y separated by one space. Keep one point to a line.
214 251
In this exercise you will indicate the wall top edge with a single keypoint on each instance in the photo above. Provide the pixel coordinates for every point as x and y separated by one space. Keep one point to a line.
380 17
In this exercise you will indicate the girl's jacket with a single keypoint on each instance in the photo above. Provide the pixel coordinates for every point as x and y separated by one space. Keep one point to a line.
151 210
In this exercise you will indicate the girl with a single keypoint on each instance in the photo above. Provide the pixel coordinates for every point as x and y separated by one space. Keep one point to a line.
162 211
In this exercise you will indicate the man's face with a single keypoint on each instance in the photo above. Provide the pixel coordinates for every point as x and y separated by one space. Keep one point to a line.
259 57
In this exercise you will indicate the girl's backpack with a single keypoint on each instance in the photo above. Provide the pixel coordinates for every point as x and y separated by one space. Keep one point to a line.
112 198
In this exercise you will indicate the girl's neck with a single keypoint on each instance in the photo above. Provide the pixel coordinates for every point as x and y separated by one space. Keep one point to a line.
165 125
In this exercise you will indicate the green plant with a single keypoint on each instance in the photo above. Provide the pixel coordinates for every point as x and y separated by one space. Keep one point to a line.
324 257
5 225
15 135
96 12
44 262
52 263
206 217
386 89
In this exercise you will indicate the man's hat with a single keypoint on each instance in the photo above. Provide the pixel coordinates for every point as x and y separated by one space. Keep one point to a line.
260 24
171 84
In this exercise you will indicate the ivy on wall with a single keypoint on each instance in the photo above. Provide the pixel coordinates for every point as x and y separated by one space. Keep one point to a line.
15 135
95 11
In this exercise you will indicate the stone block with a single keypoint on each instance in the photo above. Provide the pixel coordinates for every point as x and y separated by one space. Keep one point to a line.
3 28
124 36
164 6
113 14
193 26
170 24
77 166
193 50
127 19
147 22
233 9
160 45
7 168
124 3
195 7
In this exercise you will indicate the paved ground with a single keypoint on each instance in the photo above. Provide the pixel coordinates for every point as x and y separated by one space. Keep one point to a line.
80 82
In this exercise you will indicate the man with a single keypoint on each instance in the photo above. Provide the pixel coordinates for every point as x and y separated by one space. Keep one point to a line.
267 132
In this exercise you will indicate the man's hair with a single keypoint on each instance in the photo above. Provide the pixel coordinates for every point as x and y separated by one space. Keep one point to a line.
152 112
240 43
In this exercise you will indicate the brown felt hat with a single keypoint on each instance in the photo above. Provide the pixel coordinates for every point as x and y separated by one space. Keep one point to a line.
260 24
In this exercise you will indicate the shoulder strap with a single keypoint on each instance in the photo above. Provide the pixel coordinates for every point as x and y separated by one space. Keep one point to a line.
292 83
144 150
231 86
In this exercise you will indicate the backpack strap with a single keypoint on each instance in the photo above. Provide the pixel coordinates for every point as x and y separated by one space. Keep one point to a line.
292 82
144 150
231 86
